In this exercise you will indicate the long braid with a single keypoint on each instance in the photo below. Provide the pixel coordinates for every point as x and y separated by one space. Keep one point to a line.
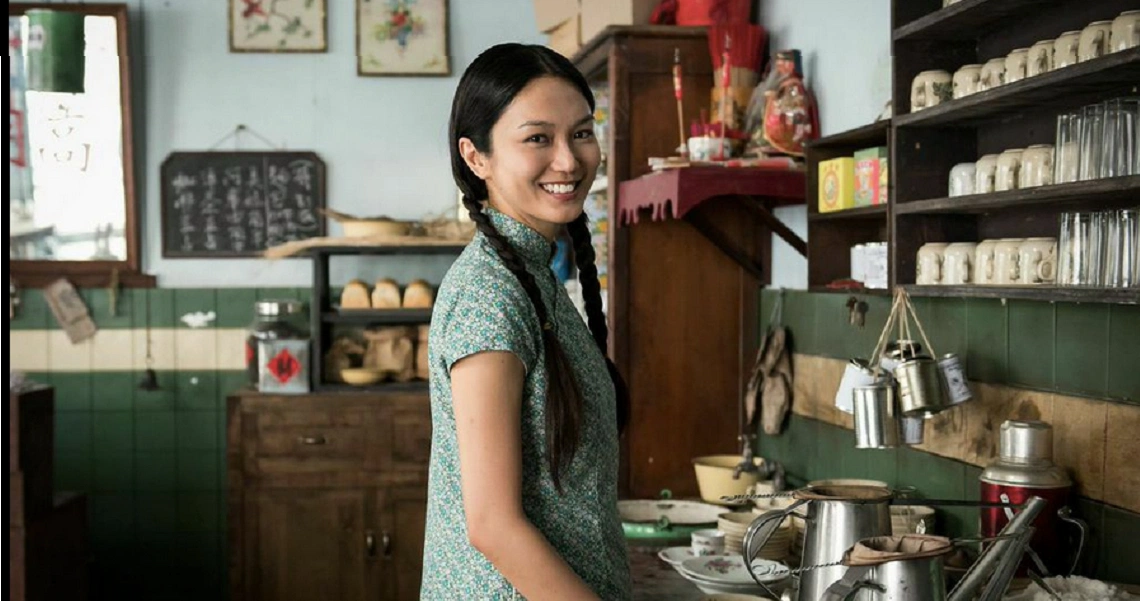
585 260
562 382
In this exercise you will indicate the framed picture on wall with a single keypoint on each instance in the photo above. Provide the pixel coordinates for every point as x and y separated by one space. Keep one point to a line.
278 25
402 37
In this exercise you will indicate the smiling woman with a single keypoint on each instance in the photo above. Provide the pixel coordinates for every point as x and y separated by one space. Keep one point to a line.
526 408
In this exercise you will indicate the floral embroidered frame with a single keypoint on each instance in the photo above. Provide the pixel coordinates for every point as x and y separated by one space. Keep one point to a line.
402 37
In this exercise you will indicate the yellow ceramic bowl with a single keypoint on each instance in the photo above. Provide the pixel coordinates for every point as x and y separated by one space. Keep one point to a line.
361 376
714 477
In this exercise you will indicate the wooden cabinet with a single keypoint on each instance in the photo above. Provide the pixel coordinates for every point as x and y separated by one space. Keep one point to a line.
327 495
681 312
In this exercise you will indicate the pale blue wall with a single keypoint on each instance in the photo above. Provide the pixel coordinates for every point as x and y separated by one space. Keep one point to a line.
847 56
382 138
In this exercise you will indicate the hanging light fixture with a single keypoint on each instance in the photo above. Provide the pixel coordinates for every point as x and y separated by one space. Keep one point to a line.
55 51
150 377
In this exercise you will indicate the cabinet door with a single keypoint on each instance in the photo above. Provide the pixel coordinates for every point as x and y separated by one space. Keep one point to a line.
313 544
404 519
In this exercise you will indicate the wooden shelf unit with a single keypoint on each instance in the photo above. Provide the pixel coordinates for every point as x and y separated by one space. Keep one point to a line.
927 144
831 235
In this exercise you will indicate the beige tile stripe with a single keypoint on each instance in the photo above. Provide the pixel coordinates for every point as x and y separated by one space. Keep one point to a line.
1095 440
202 349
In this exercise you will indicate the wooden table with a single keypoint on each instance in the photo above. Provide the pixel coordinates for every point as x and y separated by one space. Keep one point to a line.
655 580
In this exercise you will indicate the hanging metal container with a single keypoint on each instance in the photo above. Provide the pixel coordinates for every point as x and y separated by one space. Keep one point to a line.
876 424
56 51
922 389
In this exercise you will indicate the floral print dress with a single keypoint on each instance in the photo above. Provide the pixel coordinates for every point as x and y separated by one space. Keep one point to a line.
480 307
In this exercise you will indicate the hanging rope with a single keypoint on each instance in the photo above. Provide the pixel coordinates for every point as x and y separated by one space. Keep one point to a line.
236 135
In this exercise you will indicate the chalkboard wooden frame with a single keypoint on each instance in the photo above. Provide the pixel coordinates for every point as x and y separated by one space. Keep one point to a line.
220 160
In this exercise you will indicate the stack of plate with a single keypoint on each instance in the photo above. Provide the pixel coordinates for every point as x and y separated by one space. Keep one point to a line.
735 526
728 574
908 519
795 522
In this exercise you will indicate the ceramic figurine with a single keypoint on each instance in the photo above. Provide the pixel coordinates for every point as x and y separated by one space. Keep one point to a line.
782 115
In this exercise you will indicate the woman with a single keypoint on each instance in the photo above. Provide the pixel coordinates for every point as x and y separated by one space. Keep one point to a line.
522 494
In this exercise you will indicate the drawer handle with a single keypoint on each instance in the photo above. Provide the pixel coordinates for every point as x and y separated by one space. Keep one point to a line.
312 440
370 543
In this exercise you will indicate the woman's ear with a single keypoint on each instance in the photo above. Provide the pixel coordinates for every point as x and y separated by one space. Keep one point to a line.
476 161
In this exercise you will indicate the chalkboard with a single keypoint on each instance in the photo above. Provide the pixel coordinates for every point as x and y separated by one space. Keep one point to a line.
237 204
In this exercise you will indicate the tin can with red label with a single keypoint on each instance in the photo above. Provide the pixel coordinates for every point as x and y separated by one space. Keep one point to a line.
283 366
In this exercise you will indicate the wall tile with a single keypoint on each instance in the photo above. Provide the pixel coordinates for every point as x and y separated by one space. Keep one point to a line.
72 469
158 342
33 312
155 431
73 431
63 355
1079 441
99 307
113 430
986 340
197 430
161 305
1031 344
113 391
1123 349
865 338
197 390
1122 449
113 350
29 350
156 471
72 391
834 335
196 349
235 307
157 516
944 320
799 317
114 471
230 349
195 300
197 470
1082 349
1118 552
198 512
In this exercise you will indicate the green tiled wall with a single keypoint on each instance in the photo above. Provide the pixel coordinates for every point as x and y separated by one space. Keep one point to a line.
1085 349
1076 349
812 450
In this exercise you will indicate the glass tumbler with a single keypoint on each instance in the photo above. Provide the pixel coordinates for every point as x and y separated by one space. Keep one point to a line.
1066 165
1091 141
1120 115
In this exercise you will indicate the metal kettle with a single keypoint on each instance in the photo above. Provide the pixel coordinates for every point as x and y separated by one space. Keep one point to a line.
837 518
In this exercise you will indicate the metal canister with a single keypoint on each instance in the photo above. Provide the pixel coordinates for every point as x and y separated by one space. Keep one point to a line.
957 387
921 387
876 425
912 428
273 320
856 373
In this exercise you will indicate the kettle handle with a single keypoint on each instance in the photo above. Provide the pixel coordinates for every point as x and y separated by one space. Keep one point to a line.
1066 515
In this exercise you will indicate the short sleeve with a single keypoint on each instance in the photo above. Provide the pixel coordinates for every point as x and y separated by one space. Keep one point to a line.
494 319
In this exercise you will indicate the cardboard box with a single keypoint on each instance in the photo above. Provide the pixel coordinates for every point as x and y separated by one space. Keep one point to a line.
870 176
566 39
836 184
599 14
549 14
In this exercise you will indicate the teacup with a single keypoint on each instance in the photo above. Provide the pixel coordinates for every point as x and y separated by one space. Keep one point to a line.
1006 254
957 263
1094 40
993 74
984 262
984 171
1016 65
928 270
1037 260
1008 166
1036 166
966 80
1040 58
1125 32
707 542
930 88
962 179
1065 49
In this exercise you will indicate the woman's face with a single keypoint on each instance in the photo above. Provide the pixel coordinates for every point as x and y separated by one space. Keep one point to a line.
543 156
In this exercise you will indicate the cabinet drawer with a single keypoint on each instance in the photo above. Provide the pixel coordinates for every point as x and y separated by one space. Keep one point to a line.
314 441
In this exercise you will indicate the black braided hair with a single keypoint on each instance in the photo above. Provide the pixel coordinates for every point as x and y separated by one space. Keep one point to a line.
485 90
563 396
585 260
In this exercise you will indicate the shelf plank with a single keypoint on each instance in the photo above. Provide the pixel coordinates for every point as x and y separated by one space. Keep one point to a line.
389 387
968 19
874 134
862 213
378 316
1083 195
862 291
1125 296
434 248
1070 86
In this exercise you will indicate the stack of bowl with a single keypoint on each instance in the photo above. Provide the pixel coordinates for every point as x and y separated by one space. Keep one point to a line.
735 525
795 524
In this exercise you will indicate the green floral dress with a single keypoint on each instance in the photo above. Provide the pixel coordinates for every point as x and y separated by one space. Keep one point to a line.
481 306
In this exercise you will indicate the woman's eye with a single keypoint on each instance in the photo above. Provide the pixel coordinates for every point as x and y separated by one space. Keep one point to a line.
537 139
585 134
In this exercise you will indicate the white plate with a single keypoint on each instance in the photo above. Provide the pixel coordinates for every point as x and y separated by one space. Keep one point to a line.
684 513
675 555
731 570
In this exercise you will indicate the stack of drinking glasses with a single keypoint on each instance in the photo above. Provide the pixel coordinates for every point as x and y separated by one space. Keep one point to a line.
1098 140
1100 249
